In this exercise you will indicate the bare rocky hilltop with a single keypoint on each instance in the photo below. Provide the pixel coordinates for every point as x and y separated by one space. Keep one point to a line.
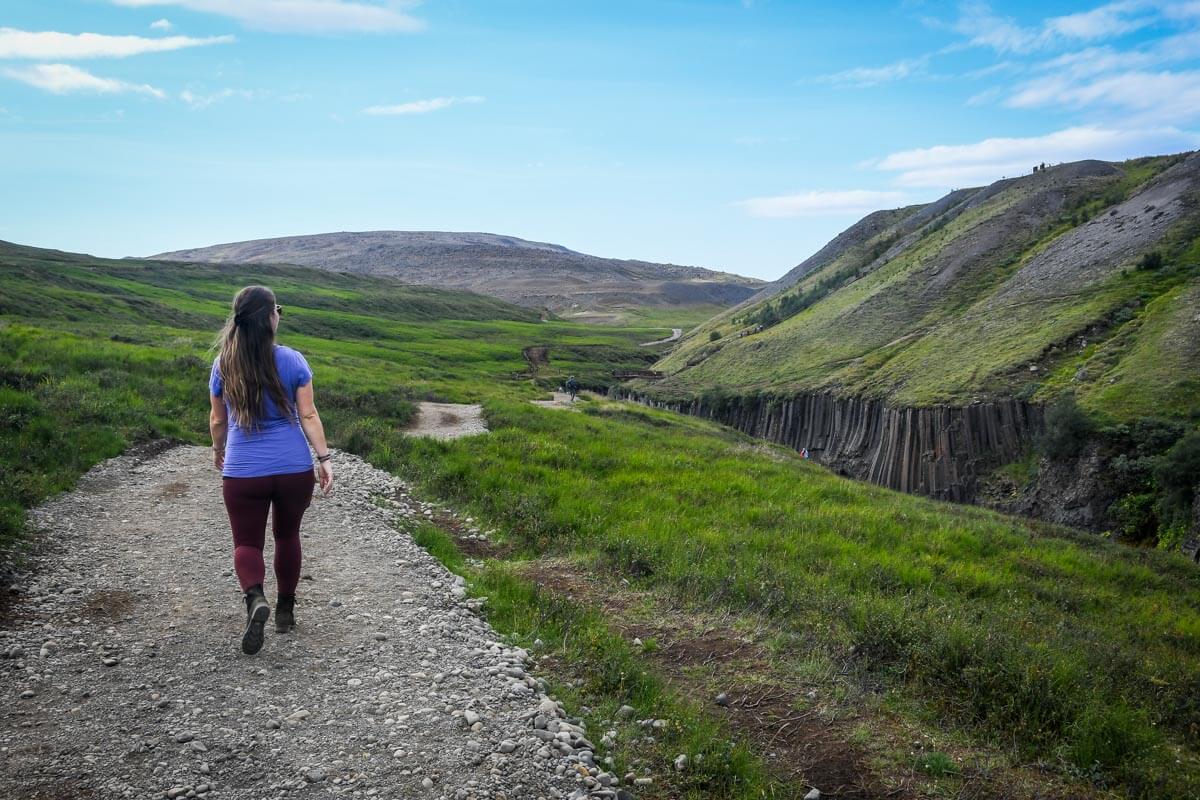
533 274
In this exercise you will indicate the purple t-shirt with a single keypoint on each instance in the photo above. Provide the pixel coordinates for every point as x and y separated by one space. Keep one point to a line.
278 446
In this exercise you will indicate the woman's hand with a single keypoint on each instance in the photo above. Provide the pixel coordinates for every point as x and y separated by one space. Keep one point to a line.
325 475
219 459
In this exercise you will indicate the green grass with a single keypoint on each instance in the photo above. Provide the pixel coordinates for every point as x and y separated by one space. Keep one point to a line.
1056 646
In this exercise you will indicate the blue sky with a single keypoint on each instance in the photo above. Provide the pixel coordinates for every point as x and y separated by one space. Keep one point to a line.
733 134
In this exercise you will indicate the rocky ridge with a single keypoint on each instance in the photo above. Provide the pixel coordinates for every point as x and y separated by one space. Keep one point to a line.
533 274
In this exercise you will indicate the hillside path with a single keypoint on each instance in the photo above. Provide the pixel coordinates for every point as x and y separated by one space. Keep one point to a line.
448 420
122 676
675 334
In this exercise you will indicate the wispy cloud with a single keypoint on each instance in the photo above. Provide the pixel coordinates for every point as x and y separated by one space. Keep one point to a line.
205 100
948 166
983 27
821 203
161 25
301 16
421 106
1160 97
67 79
47 45
862 77
1113 19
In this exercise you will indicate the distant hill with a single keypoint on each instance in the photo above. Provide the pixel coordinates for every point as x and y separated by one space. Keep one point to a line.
532 274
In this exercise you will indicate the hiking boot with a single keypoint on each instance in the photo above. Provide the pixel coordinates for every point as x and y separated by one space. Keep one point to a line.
257 612
285 616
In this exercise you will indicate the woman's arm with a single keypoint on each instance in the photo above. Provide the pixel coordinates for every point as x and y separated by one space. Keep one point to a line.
218 426
310 421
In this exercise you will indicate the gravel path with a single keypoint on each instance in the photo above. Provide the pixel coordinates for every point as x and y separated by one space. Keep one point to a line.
675 334
448 420
123 678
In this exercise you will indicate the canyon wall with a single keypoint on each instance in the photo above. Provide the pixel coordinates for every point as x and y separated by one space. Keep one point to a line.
938 451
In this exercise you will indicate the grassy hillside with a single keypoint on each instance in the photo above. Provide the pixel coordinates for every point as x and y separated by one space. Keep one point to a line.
1062 279
877 618
96 354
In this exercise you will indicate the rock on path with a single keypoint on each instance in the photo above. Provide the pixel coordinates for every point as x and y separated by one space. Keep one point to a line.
448 420
122 674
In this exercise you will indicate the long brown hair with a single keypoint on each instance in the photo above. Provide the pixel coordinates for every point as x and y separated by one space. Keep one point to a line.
247 361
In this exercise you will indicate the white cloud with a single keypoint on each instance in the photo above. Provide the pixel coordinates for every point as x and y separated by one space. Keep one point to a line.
421 106
984 28
1106 21
161 25
16 43
820 203
307 16
862 77
64 79
1159 96
948 166
1186 10
205 100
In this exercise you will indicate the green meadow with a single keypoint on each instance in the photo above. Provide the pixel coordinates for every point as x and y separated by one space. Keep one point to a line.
1014 643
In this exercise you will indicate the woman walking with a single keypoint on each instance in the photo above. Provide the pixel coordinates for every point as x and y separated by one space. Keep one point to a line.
262 412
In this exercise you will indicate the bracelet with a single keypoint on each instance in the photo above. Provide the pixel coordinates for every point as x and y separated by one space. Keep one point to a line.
218 449
325 457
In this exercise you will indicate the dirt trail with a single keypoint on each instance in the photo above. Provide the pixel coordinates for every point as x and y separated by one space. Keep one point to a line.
122 674
448 420
675 334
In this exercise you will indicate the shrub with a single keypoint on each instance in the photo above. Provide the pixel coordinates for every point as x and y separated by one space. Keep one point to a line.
1151 261
714 335
1067 429
1135 514
1178 474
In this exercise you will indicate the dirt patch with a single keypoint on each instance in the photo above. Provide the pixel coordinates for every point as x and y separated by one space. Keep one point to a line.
110 604
561 401
803 739
782 723
173 491
466 542
447 420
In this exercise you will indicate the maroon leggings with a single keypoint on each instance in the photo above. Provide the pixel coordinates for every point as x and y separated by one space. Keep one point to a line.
247 500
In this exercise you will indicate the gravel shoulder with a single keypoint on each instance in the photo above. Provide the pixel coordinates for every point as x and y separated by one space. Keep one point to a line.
123 676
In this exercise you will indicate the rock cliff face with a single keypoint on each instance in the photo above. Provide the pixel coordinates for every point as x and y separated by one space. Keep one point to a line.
938 451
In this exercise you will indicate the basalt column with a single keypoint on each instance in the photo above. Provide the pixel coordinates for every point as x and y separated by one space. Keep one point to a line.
937 451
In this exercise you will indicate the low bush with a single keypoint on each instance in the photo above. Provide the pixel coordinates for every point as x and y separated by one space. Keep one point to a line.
1068 429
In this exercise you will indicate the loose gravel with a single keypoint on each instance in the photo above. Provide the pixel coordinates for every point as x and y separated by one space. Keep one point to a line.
124 678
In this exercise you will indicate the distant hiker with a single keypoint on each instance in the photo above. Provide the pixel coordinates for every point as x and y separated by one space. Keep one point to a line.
804 452
572 387
262 411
